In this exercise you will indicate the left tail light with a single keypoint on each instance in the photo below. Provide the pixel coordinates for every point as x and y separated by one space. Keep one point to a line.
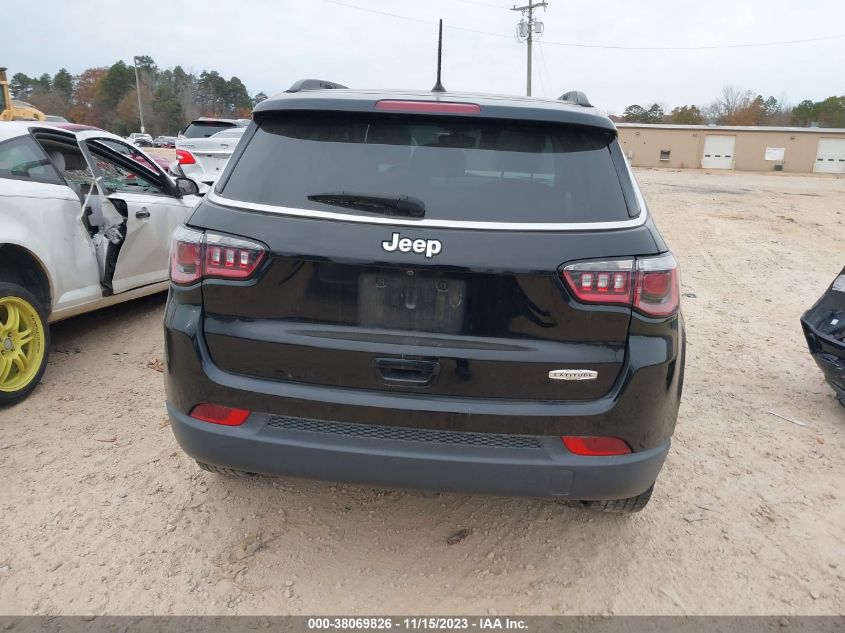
184 157
186 248
649 285
231 257
197 255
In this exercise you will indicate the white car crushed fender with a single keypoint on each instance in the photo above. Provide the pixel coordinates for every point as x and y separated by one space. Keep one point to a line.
84 227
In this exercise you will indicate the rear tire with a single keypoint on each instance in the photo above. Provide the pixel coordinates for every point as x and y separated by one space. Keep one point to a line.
227 472
24 343
631 505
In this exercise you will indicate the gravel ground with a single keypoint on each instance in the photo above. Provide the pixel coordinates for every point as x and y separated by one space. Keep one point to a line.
102 513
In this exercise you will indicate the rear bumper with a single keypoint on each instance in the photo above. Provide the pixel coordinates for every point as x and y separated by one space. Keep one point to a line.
535 466
424 441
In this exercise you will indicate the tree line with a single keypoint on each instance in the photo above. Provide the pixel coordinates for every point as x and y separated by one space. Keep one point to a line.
744 107
107 97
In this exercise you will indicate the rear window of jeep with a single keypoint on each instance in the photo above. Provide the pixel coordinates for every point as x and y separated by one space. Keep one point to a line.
477 170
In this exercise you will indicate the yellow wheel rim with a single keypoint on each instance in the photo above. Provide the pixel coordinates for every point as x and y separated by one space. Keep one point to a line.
21 343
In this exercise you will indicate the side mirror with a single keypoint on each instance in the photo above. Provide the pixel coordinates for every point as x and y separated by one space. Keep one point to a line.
187 187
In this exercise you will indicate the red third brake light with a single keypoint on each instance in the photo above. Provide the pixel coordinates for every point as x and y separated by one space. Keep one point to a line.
218 414
447 107
184 157
649 285
595 446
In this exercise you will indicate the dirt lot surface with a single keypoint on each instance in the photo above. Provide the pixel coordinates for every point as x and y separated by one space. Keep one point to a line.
747 516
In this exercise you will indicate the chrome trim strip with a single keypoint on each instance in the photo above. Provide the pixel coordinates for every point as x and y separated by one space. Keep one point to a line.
638 192
423 223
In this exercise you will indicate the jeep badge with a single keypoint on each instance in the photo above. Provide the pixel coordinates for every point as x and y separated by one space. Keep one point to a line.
406 245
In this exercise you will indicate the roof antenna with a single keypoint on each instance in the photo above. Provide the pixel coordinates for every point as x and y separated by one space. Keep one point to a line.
438 87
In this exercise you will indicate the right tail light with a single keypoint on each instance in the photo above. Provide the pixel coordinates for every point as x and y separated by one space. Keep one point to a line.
218 414
650 285
657 292
595 446
197 255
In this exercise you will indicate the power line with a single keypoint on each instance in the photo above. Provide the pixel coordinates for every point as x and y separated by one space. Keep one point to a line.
412 19
597 46
544 84
377 12
485 4
545 68
700 48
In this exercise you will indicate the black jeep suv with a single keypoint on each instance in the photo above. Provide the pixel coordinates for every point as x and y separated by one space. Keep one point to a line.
428 290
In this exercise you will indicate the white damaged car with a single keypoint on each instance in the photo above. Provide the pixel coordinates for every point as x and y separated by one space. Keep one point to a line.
203 159
84 226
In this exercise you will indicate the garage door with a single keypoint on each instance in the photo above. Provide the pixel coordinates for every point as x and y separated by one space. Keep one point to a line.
718 152
830 158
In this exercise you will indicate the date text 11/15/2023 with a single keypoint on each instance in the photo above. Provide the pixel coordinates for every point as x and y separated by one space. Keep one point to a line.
417 623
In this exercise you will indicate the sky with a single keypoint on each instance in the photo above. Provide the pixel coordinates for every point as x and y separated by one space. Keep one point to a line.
270 44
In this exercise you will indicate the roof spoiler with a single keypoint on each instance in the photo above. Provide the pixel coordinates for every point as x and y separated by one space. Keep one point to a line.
314 84
575 97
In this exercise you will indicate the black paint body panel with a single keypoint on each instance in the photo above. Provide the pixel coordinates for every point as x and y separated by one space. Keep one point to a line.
333 329
824 329
307 318
641 408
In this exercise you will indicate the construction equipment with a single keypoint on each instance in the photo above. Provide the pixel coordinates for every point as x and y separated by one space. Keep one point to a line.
12 109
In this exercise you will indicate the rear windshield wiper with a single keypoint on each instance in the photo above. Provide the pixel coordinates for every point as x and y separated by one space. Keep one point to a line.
400 205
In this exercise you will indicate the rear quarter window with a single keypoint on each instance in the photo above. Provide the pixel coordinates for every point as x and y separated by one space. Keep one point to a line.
22 159
478 170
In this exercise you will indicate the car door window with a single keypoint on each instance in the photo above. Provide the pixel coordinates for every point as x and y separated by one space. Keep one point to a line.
22 159
129 152
118 177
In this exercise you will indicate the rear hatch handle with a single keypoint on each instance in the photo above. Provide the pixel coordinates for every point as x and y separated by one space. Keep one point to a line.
407 372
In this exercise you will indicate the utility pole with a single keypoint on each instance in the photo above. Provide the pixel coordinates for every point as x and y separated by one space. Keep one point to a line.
527 30
138 90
